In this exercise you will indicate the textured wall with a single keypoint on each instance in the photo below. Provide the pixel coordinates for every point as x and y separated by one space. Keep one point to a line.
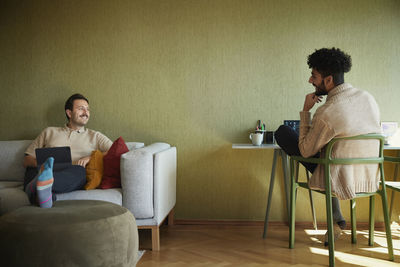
197 74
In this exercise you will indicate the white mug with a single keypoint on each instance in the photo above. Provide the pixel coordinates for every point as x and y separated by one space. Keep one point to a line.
256 138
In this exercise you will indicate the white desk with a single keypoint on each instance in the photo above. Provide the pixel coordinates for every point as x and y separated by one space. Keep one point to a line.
396 170
391 147
285 168
250 146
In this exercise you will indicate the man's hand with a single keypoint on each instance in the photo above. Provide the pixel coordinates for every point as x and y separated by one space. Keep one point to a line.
310 101
29 161
83 161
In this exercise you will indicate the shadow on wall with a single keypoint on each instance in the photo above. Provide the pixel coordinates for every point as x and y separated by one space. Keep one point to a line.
55 113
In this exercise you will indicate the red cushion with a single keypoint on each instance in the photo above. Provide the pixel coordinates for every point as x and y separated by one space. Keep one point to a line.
111 163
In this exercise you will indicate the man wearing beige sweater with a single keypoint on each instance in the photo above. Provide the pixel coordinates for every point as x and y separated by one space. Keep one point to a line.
347 111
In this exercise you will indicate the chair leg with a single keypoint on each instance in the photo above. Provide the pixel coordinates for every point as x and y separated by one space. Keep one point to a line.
331 239
371 220
312 204
293 189
353 221
387 221
391 204
296 177
396 169
286 179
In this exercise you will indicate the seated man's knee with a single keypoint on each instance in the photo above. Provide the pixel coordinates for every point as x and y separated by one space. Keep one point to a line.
281 133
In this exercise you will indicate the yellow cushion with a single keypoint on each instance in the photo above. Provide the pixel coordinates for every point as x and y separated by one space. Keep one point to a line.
94 170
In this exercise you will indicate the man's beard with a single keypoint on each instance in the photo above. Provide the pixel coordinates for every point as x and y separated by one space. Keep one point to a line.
320 89
81 121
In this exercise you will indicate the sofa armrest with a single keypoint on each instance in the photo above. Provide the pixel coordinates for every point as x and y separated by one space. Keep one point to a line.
165 164
145 180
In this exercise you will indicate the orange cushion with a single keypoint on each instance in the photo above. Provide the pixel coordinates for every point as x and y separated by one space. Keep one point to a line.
94 170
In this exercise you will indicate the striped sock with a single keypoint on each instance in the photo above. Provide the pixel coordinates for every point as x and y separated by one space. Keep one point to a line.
44 184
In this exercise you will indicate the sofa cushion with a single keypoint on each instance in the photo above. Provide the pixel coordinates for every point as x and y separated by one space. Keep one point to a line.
11 158
134 145
94 170
111 172
113 195
10 184
12 199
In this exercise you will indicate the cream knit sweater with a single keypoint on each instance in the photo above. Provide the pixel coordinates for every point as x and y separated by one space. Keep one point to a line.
347 112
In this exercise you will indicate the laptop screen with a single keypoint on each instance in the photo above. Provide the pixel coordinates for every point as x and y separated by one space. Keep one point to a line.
294 124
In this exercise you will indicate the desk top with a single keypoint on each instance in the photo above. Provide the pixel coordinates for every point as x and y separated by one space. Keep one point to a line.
391 147
251 146
275 146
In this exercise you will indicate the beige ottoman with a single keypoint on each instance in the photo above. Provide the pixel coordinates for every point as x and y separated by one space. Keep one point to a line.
71 233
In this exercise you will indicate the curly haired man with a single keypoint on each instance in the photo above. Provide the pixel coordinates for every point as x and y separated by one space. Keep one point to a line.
347 111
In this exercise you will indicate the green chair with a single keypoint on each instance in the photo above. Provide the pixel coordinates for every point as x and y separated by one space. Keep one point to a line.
327 161
394 185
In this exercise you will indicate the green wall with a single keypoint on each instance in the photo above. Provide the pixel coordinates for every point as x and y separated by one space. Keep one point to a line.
197 74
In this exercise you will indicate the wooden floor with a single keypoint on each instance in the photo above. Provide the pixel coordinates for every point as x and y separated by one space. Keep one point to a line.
221 245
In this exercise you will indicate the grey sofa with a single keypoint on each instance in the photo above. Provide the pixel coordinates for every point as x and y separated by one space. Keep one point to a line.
148 179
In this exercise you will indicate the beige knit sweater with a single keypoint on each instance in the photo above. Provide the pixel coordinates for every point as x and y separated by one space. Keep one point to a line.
347 112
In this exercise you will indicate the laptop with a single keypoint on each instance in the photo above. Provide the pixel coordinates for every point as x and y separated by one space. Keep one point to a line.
61 155
294 124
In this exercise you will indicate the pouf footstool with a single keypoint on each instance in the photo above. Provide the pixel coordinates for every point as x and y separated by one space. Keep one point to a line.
71 233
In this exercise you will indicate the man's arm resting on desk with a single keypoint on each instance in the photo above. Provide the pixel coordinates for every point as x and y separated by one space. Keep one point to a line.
29 161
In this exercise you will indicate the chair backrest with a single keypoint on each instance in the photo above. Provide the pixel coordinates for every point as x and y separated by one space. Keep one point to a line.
328 160
369 160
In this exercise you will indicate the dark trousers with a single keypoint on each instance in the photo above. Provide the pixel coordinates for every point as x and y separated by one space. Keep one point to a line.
67 178
288 140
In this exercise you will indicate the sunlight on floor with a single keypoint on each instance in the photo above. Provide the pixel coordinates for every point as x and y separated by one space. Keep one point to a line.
316 235
379 250
353 258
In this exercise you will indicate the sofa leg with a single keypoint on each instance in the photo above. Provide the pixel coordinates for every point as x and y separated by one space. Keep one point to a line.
155 231
171 217
155 238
